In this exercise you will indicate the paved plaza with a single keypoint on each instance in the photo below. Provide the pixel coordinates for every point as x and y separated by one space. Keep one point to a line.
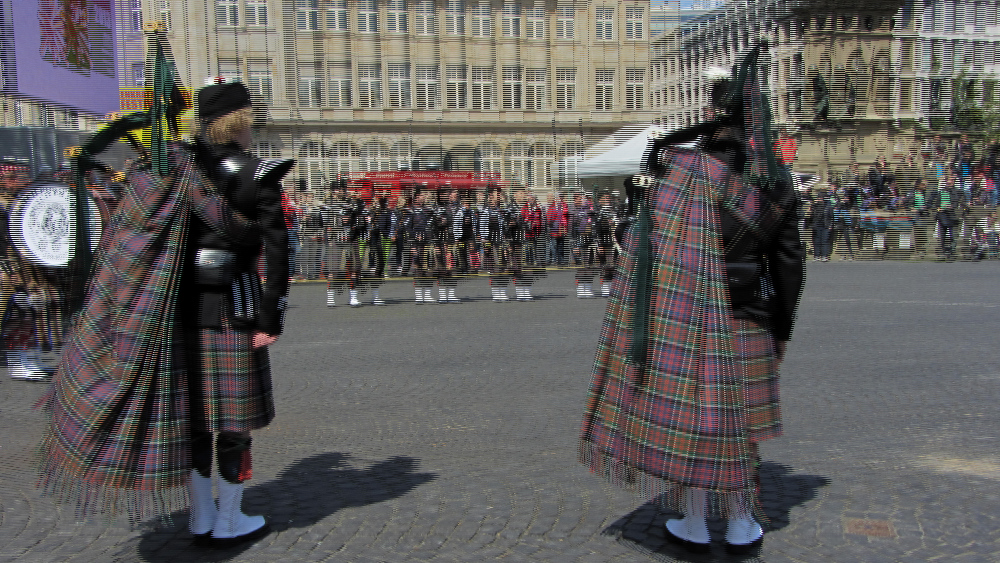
448 433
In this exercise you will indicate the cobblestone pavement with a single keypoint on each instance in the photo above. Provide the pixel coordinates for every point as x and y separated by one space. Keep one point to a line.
447 433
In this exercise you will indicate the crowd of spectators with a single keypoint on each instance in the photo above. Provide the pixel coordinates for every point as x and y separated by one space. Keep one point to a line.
555 233
937 203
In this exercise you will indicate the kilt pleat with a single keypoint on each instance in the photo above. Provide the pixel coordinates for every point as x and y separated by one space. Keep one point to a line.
230 382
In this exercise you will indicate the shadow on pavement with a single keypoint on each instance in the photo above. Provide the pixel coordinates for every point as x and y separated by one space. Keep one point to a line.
307 491
643 528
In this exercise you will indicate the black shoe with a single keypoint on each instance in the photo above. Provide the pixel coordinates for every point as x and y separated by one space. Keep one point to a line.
744 548
691 546
203 540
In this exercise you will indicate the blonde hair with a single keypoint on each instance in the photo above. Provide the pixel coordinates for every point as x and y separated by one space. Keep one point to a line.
225 129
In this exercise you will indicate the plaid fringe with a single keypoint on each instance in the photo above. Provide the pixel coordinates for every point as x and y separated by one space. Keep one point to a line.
669 495
107 503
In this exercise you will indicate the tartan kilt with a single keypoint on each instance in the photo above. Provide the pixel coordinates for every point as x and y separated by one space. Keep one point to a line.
756 361
230 382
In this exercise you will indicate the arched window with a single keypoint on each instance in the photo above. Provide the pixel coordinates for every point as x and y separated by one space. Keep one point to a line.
403 154
488 157
266 149
430 157
570 154
345 158
542 157
461 157
517 164
375 157
313 165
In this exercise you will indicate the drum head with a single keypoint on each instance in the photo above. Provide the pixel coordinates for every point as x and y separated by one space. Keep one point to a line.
43 224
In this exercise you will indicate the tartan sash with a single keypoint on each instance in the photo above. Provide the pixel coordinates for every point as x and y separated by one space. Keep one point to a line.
118 435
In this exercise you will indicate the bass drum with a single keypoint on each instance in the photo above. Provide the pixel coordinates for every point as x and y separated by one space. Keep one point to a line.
43 223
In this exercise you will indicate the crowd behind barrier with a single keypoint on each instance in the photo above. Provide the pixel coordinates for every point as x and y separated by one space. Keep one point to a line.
938 204
436 236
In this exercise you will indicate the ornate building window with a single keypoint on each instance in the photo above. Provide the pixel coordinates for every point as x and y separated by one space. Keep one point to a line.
395 21
344 158
512 87
426 22
482 87
227 13
510 19
369 85
534 88
375 156
604 27
635 93
399 84
634 23
565 22
456 87
310 87
135 15
565 88
266 149
307 15
339 91
568 177
257 13
336 15
482 19
454 18
534 25
402 154
542 156
259 82
367 16
428 86
138 75
488 158
517 164
604 89
313 162
230 71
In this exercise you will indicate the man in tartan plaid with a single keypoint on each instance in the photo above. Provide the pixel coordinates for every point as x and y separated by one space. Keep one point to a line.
685 380
169 345
234 318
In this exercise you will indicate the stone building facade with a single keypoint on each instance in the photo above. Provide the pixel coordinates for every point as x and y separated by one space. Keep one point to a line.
511 86
850 80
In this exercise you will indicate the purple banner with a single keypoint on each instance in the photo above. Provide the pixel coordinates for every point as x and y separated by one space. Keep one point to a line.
64 53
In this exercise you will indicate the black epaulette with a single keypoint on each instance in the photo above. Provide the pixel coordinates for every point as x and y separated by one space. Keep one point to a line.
272 169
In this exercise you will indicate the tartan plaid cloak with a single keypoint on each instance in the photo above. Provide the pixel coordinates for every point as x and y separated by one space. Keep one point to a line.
689 411
118 436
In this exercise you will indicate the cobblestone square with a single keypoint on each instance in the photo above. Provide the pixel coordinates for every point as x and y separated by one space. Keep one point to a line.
448 433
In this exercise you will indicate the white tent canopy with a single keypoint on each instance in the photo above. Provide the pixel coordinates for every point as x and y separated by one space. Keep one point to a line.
618 154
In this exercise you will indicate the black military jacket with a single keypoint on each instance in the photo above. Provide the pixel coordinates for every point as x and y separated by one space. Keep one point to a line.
251 185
